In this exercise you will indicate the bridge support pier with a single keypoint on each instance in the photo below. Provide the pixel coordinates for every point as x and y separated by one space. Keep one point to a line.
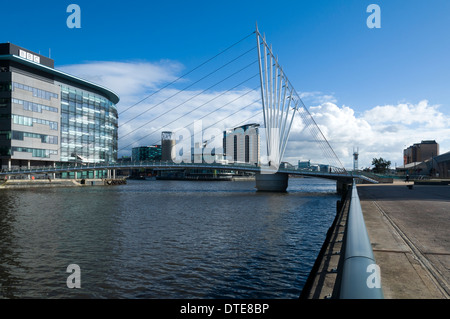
342 186
277 182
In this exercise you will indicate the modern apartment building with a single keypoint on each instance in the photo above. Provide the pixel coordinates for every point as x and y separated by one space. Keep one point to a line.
48 117
242 144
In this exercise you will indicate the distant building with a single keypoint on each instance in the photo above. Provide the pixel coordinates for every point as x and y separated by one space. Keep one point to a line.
307 166
420 152
167 146
242 144
304 164
146 153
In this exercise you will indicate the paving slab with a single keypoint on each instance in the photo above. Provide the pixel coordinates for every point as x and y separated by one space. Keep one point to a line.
409 231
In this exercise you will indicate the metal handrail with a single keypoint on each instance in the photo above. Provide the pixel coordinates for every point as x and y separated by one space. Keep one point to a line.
360 277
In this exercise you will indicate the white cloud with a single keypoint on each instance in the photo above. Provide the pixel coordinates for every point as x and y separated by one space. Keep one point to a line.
407 114
317 97
383 131
128 79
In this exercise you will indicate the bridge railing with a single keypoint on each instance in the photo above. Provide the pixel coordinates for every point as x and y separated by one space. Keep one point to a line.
236 166
137 164
131 165
359 276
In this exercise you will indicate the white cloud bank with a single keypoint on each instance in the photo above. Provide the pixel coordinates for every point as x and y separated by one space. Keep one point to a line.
383 131
128 79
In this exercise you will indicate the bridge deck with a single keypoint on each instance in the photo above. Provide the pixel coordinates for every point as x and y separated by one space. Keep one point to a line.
342 176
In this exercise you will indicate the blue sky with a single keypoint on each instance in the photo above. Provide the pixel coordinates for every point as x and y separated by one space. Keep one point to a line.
324 47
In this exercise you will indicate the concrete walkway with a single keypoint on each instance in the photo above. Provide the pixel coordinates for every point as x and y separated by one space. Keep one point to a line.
409 232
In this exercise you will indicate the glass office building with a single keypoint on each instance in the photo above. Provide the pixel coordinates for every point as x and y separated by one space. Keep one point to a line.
48 117
88 127
146 153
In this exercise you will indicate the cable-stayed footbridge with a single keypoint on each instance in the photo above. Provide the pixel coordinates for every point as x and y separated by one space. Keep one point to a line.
245 84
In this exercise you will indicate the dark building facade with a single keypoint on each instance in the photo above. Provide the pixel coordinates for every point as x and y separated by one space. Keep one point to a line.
146 153
439 166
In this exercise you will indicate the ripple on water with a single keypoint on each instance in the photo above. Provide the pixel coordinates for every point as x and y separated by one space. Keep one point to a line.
163 239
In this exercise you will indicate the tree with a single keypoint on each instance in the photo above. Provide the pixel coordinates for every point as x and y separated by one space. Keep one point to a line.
380 165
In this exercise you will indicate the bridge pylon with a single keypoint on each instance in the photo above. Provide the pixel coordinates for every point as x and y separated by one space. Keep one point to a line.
280 102
279 99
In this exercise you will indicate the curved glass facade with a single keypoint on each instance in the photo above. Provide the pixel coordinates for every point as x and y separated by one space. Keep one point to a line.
89 127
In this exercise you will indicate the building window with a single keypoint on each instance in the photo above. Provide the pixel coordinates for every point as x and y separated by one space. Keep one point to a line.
235 157
34 107
5 87
36 92
5 135
48 139
36 152
4 103
29 121
247 149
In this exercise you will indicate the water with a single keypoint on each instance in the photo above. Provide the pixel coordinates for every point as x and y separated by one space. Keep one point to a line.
163 239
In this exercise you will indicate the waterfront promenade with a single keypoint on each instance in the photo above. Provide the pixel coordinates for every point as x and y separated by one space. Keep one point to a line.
409 232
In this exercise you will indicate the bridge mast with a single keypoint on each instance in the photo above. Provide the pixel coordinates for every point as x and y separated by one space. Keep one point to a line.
279 101
263 99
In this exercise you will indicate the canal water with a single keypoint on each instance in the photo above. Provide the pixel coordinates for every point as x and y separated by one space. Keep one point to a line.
163 239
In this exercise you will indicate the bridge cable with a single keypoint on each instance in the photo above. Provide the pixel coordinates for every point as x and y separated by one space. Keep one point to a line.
215 110
241 109
320 139
189 72
187 87
191 111
247 66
